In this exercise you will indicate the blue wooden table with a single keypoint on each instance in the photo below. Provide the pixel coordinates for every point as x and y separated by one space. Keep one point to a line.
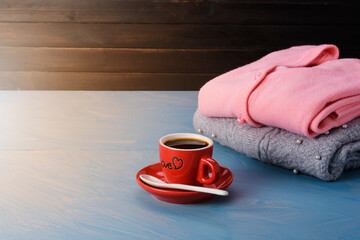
68 162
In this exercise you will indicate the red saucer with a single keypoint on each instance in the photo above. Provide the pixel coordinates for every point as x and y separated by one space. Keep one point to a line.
180 196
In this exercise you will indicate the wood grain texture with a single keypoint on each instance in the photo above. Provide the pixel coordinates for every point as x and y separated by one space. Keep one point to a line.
208 61
224 12
68 161
101 81
170 36
124 60
78 120
186 39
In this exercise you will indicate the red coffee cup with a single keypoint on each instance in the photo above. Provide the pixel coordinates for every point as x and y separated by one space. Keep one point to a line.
186 158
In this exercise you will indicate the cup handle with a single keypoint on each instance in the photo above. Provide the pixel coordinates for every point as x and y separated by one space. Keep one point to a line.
203 172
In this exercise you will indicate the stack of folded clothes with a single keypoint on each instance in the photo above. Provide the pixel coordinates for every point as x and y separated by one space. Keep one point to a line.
296 108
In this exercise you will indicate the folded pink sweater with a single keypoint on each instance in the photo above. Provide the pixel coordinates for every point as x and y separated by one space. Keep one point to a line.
303 89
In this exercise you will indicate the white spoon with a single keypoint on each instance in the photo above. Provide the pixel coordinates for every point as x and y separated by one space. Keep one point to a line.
153 181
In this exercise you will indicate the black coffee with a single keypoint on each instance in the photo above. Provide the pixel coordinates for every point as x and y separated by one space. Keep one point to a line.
186 143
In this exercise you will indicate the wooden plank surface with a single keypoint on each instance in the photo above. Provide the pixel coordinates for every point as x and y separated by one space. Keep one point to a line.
183 36
68 161
123 60
224 12
186 39
81 120
101 81
209 61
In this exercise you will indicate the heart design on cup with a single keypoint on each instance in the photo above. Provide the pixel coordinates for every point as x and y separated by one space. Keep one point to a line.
177 163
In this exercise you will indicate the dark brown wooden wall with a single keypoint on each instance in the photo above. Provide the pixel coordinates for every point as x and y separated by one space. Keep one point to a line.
157 44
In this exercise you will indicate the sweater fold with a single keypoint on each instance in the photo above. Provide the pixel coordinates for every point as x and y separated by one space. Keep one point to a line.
305 89
325 156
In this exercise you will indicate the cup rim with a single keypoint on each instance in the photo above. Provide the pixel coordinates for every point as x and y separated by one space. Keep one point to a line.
186 135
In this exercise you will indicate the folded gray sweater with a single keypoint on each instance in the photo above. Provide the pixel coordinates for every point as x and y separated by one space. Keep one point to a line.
325 156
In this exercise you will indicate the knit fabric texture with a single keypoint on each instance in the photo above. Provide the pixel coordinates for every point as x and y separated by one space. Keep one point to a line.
303 89
325 156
